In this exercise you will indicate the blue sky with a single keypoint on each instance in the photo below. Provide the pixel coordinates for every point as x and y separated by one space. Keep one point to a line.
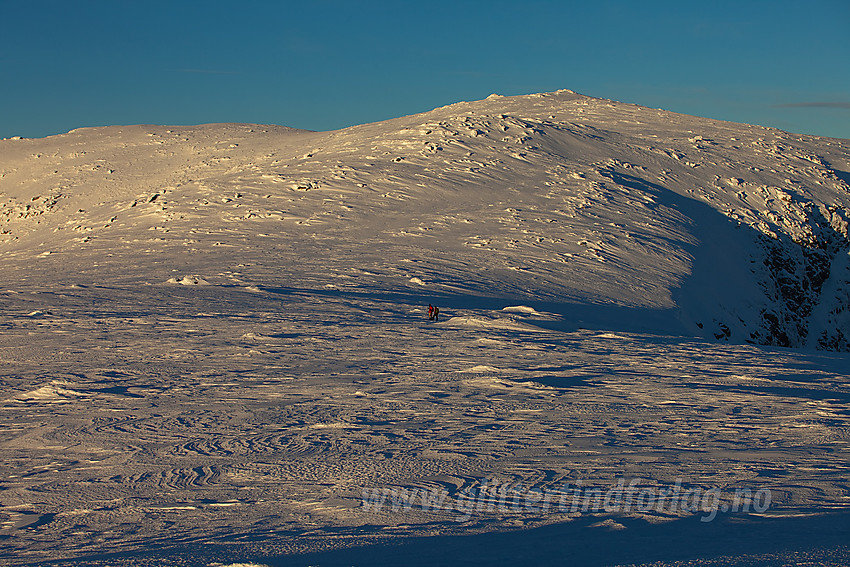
321 64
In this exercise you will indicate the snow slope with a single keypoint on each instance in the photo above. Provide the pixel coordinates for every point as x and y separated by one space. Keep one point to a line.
214 337
739 232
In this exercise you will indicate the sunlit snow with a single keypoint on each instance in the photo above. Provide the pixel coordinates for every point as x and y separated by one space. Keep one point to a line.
216 349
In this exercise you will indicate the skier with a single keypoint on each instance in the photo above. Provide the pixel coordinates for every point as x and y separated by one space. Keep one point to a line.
436 314
430 312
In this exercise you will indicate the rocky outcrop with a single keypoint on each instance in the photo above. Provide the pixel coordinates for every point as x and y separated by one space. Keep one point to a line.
805 280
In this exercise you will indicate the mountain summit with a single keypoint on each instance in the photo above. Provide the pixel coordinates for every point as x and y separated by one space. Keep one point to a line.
610 214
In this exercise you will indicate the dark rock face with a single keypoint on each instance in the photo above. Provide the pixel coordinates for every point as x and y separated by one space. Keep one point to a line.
805 282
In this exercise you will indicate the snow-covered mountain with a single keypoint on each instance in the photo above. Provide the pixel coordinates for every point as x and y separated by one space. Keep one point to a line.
215 349
612 214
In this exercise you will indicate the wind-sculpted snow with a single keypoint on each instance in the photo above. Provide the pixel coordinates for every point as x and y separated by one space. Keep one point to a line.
553 197
216 349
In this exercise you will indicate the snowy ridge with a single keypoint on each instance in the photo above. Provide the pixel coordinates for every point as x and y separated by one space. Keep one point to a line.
722 230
